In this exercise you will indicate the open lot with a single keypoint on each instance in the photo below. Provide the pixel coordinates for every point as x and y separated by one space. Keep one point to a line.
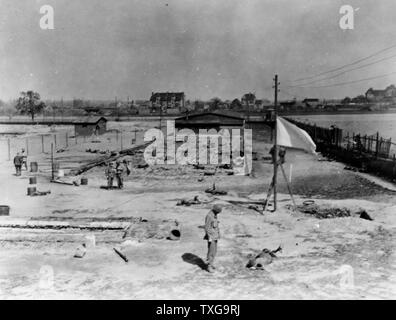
310 265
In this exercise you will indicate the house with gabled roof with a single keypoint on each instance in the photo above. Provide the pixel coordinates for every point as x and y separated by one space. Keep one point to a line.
167 100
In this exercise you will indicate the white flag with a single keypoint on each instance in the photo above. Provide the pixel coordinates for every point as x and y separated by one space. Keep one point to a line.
289 135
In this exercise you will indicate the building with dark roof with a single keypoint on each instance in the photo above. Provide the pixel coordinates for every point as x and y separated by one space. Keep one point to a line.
379 95
90 125
210 120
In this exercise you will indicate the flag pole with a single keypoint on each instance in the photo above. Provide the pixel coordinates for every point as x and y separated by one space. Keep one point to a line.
275 157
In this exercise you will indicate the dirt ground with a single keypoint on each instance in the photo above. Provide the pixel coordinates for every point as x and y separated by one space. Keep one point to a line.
338 258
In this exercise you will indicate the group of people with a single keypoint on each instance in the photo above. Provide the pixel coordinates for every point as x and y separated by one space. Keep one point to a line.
117 170
20 160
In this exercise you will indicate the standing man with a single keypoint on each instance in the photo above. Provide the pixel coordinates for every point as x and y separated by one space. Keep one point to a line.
110 173
120 170
24 159
212 235
18 163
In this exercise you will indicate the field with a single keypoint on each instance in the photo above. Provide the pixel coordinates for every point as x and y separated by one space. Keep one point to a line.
333 258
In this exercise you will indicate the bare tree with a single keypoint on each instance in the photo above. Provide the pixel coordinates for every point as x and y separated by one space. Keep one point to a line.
30 103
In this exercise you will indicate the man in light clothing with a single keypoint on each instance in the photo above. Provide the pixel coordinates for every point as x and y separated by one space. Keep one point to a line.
212 235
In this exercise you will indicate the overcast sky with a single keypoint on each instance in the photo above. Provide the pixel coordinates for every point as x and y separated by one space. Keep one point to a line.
101 49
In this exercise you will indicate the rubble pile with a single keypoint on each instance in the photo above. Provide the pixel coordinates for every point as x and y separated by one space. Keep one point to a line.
321 212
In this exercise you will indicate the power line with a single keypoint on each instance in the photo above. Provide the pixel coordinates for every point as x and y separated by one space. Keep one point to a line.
348 82
344 72
282 90
347 65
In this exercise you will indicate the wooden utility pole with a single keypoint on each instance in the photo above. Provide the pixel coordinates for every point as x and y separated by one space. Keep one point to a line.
42 143
27 146
275 137
160 122
9 149
52 162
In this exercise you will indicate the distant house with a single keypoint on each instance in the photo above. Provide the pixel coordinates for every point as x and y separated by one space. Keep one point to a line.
375 95
89 126
379 95
311 102
93 110
248 99
167 100
288 104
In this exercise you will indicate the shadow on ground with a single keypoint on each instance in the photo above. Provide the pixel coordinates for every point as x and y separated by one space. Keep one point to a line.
193 259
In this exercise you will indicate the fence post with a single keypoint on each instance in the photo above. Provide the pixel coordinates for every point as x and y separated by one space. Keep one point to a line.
347 140
121 140
67 140
27 146
377 145
55 140
394 166
9 149
42 143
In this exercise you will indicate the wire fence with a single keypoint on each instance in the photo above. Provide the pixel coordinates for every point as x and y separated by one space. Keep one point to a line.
37 144
374 145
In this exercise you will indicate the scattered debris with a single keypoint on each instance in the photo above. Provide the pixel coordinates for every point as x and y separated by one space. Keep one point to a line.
108 158
123 256
310 207
243 236
256 208
4 210
63 182
31 190
184 202
143 165
153 229
364 215
80 251
95 151
40 193
265 257
215 191
174 235
198 166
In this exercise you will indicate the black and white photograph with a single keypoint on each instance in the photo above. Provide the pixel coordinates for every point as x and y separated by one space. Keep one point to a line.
203 150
